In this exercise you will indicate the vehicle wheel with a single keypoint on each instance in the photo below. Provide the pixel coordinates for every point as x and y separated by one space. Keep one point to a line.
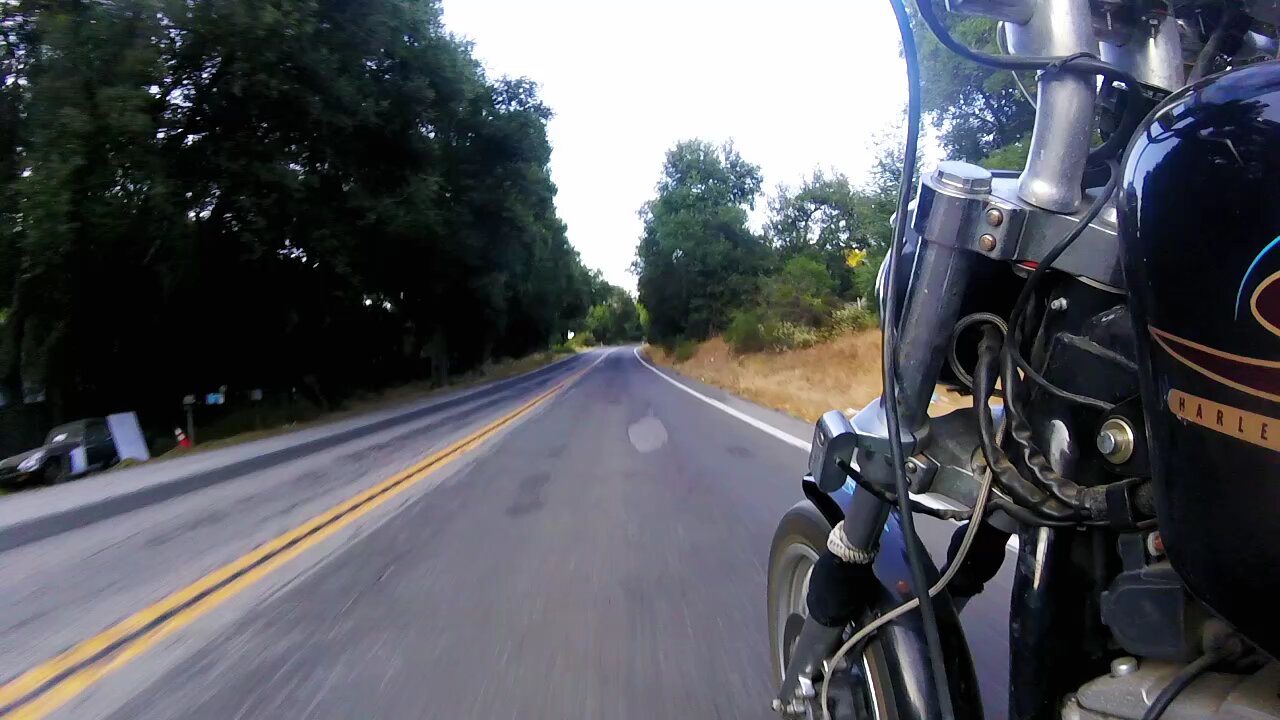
863 691
55 471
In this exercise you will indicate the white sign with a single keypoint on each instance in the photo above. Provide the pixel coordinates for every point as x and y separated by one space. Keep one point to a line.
127 435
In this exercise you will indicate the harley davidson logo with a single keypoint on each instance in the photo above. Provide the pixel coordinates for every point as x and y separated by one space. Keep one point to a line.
1240 424
1260 378
1265 303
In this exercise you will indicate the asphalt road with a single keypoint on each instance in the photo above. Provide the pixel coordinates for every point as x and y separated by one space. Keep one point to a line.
601 556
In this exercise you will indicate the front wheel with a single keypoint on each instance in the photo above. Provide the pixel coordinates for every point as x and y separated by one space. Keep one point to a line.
863 691
56 471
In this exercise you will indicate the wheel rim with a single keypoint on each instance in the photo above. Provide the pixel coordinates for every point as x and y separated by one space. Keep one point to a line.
797 562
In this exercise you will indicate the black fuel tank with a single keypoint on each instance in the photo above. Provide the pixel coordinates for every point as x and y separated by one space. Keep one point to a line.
1200 225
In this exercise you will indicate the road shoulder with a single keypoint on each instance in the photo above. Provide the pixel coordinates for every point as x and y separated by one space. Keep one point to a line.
38 514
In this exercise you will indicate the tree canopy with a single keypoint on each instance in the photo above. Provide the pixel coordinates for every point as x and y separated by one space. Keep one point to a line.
615 319
323 194
978 111
697 258
702 269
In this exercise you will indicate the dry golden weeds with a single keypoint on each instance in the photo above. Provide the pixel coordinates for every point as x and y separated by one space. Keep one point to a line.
842 373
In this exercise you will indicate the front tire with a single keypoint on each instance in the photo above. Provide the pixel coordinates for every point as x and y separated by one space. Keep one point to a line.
55 471
800 538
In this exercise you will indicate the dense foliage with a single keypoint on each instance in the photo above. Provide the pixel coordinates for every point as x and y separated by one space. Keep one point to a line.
979 113
977 110
321 194
697 258
702 269
615 319
811 272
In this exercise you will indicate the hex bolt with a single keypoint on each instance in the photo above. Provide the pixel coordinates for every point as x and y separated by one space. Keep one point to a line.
1106 443
987 242
1059 304
912 467
1115 440
995 216
1122 666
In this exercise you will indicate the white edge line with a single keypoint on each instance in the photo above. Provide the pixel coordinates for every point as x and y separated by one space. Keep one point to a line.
927 499
764 427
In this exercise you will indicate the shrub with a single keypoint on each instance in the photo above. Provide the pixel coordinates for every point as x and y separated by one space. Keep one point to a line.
790 336
745 333
852 317
583 339
801 293
684 350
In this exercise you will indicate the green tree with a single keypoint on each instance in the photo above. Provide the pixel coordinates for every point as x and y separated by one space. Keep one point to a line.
615 320
642 313
317 194
881 203
90 185
976 110
801 293
833 222
15 56
697 259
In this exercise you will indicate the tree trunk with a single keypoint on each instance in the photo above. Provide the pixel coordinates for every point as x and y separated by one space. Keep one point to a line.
14 336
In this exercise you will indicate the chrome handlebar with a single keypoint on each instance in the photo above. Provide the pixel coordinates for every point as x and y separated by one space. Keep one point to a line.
1150 50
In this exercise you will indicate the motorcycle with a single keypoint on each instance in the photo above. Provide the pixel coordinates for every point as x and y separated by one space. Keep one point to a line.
1114 311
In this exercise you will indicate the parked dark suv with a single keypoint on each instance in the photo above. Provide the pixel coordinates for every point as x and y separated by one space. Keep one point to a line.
69 451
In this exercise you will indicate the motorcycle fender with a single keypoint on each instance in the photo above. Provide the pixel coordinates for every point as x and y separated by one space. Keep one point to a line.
906 653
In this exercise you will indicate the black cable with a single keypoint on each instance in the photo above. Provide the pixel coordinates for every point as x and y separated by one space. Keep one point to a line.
964 324
1025 516
1035 376
1118 140
1048 498
1028 289
1080 62
1007 477
1092 501
1185 677
1083 62
915 554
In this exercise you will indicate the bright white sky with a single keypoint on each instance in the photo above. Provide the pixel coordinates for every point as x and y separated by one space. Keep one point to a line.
796 85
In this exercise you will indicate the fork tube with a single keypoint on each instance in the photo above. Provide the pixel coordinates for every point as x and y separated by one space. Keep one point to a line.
1064 117
865 521
939 280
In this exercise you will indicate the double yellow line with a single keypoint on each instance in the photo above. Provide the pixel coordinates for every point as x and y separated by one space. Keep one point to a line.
48 686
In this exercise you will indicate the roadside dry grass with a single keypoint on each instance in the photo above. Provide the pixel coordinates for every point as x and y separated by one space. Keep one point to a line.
841 373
